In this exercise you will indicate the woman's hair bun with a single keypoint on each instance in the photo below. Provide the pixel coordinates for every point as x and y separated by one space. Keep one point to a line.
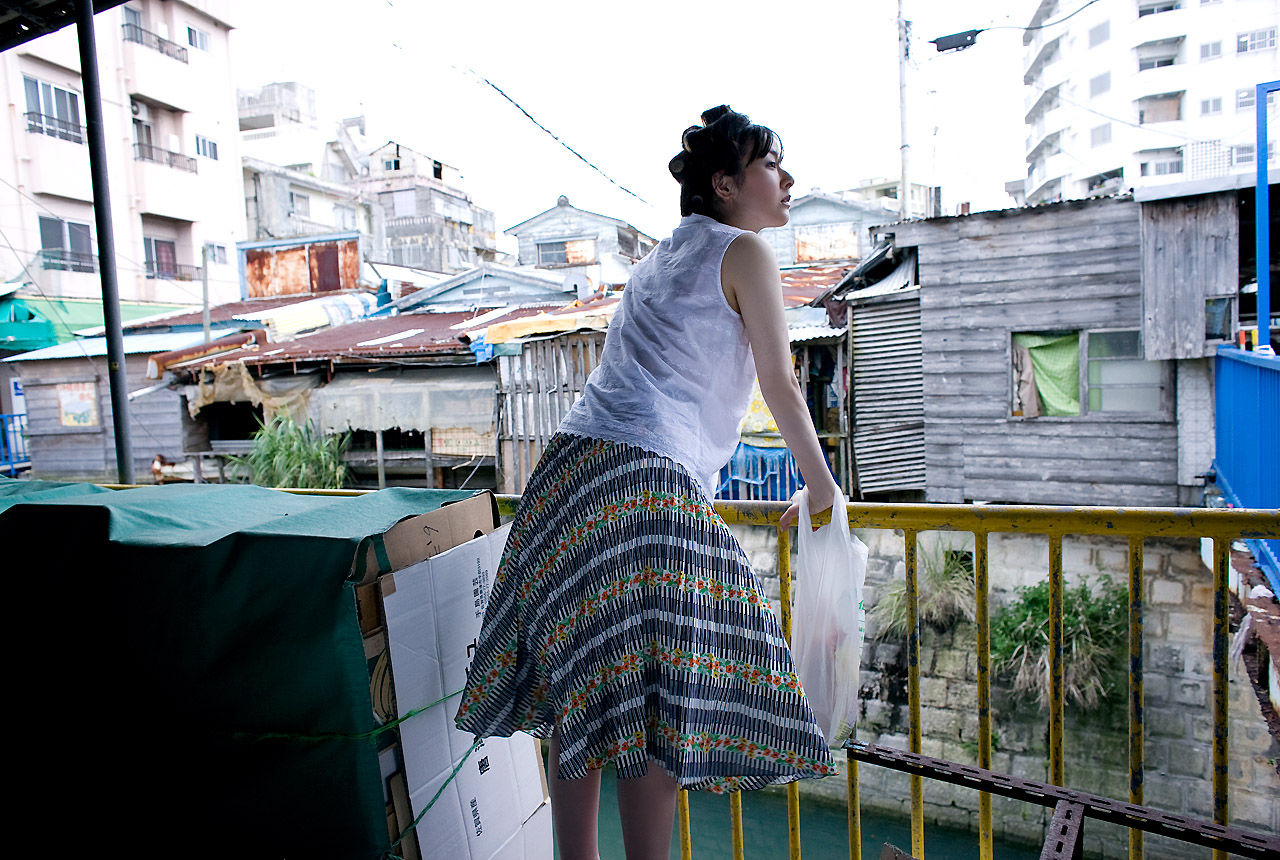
724 142
710 115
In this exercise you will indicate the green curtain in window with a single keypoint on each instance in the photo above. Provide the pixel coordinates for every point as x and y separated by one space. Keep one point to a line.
1056 361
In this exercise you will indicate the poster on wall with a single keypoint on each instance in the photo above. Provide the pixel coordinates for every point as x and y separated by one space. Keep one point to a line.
78 404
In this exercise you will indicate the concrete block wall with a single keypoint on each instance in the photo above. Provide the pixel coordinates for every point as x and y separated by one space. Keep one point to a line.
1178 679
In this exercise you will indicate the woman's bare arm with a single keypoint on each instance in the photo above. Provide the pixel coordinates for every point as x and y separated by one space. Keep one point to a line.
753 288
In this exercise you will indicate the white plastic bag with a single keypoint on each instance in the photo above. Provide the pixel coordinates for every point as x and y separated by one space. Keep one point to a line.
828 621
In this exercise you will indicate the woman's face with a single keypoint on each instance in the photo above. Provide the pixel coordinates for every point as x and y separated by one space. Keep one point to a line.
761 197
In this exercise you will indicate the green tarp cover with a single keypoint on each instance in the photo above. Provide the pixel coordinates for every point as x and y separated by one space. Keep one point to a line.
197 661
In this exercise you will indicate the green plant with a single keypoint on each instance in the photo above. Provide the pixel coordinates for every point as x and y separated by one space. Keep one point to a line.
288 454
944 588
1094 642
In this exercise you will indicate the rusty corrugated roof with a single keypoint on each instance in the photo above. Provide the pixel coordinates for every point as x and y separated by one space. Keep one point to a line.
400 337
217 314
801 286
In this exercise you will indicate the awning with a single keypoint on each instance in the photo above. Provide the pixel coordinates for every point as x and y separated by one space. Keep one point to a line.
426 399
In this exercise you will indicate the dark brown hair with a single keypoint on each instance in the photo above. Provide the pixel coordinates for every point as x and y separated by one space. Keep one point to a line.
726 141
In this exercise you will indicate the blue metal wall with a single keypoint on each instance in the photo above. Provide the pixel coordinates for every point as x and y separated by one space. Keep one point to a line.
1247 438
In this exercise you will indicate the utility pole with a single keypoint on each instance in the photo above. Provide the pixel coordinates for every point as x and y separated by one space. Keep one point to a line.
106 239
204 288
904 189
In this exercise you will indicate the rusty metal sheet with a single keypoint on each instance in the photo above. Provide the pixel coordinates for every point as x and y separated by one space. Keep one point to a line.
580 252
349 263
322 261
277 272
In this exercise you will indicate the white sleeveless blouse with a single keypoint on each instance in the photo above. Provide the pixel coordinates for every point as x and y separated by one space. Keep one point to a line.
676 371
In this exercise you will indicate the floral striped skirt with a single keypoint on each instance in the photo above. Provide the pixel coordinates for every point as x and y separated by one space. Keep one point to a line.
625 612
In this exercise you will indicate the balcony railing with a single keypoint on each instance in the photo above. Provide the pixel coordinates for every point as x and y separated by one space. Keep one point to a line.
1071 808
147 152
62 129
134 33
13 444
172 271
68 261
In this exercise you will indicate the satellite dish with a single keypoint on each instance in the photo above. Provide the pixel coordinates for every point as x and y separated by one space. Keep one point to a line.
578 284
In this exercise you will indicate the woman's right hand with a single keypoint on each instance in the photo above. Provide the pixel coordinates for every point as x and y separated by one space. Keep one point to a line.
821 497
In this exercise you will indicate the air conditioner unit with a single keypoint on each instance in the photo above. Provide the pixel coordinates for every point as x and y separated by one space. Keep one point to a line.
141 111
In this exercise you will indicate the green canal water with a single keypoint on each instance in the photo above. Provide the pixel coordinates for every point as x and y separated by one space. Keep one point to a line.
823 830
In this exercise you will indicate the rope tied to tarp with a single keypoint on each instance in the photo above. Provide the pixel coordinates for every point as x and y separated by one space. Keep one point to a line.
330 736
390 854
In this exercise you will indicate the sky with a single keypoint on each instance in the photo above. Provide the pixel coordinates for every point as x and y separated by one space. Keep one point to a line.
620 82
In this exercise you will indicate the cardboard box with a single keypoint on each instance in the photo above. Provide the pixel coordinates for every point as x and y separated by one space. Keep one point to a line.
412 540
490 803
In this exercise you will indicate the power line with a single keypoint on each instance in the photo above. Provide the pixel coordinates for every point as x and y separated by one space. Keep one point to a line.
557 139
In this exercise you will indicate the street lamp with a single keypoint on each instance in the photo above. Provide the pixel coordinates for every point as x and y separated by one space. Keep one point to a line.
956 41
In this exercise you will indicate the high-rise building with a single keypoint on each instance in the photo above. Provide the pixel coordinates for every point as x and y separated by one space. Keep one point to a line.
1132 93
169 118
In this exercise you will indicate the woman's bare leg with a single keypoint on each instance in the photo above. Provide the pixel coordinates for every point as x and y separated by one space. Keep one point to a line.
575 808
647 806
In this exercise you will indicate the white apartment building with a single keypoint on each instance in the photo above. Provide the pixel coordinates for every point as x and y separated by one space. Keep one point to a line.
1134 93
169 118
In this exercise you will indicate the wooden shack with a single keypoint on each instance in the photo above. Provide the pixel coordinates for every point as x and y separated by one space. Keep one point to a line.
1127 295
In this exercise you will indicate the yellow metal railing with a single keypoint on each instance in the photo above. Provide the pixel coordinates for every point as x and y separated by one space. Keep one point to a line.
1134 524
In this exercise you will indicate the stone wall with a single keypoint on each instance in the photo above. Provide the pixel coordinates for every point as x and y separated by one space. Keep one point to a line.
1178 678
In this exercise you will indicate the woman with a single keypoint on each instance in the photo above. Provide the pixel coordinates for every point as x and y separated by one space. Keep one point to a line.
625 622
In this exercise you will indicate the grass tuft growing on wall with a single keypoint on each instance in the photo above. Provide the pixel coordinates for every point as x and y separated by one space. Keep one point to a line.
1095 636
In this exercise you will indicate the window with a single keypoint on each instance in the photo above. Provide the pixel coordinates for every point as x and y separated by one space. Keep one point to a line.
206 147
1208 107
299 204
1117 378
1258 40
404 203
1047 381
1154 63
1099 34
437 170
344 217
1100 84
1245 99
1155 8
1100 135
217 253
197 38
65 245
826 242
573 252
1210 50
1160 162
1162 108
53 111
161 256
1219 318
391 164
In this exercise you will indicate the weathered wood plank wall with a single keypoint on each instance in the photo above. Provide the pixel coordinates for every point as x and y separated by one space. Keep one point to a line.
1190 253
89 454
536 389
1074 265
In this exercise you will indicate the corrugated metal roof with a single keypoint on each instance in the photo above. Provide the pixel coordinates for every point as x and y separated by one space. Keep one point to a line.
400 337
217 314
805 324
800 286
134 344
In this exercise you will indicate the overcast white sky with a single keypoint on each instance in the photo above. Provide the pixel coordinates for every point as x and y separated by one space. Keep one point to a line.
619 82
